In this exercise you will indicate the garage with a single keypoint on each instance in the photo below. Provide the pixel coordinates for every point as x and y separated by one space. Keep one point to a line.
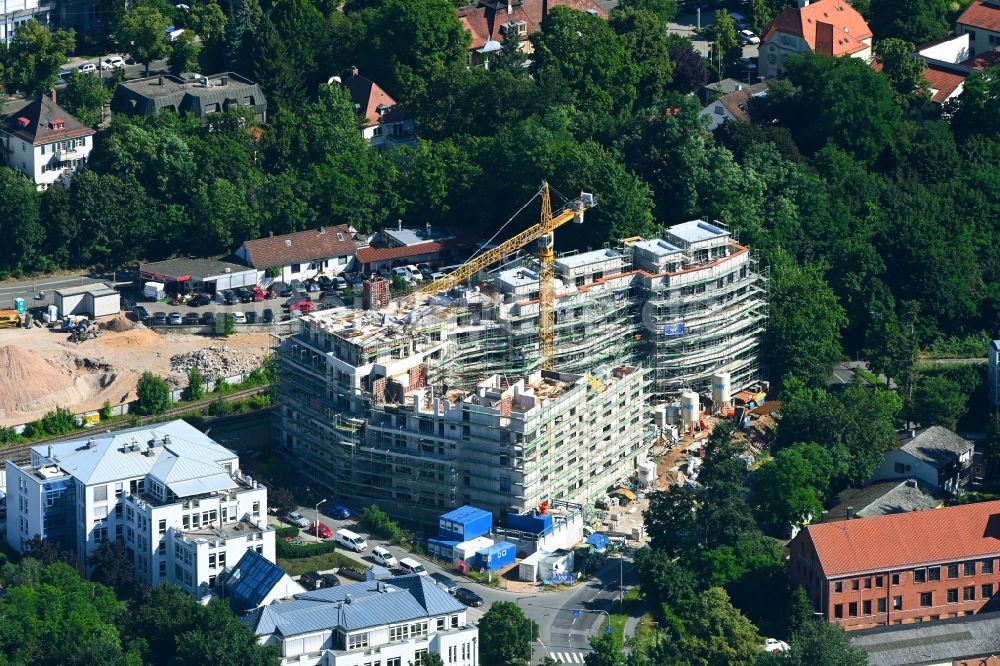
193 275
90 300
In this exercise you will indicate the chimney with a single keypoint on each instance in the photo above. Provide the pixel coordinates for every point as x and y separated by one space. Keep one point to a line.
354 71
913 433
510 8
91 443
399 225
850 512
322 230
224 80
802 3
160 82
545 9
52 94
271 234
49 456
911 483
347 599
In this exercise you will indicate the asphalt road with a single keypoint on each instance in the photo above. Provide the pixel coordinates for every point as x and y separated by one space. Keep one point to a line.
31 290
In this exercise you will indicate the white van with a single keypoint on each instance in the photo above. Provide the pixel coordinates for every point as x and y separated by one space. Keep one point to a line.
351 541
411 566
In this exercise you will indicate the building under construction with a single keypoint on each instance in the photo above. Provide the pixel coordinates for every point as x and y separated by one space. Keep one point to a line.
422 405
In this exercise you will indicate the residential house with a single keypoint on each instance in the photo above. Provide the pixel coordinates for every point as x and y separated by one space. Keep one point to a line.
488 22
735 105
198 96
174 497
901 568
15 12
827 27
981 22
384 123
390 622
44 142
934 455
964 641
884 498
256 581
401 246
302 254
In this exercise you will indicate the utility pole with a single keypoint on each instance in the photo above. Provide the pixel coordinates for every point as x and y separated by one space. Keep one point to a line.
317 518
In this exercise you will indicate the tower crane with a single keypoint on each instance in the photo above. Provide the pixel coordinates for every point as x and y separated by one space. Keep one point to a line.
541 232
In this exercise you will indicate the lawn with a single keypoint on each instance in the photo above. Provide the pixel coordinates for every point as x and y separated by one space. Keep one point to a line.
322 562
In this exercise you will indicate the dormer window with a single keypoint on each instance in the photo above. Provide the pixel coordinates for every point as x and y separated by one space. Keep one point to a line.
57 124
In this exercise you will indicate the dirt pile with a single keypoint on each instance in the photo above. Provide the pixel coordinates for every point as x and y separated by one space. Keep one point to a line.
215 362
26 377
119 324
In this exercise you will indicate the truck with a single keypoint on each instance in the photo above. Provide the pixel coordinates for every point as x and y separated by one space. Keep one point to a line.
153 291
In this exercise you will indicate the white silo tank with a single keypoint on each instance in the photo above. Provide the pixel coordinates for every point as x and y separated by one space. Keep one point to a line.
689 407
660 416
647 473
722 388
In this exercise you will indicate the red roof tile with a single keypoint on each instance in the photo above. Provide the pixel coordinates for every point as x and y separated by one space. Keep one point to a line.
367 255
737 102
982 15
830 27
484 22
944 81
372 101
300 246
984 60
907 539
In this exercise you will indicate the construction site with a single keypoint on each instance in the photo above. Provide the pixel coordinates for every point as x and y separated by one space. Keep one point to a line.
523 377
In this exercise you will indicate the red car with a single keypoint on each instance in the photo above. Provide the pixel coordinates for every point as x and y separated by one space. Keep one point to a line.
258 294
302 306
324 531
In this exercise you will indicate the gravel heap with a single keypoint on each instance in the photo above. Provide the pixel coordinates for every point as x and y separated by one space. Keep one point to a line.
215 362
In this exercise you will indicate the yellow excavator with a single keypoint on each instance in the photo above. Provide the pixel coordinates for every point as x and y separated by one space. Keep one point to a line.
542 232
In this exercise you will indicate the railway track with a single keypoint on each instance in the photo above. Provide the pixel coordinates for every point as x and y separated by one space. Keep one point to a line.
22 453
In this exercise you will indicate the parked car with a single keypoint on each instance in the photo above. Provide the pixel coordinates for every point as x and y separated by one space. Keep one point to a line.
748 64
159 319
231 297
239 318
88 68
267 316
64 75
297 519
356 279
270 293
330 580
324 281
383 557
282 289
199 300
402 273
351 541
258 294
411 566
208 318
414 273
323 531
747 37
141 314
113 62
251 317
340 284
246 295
175 319
296 284
448 584
192 319
468 597
339 511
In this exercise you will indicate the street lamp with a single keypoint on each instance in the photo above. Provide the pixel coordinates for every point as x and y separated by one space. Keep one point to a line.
317 517
577 611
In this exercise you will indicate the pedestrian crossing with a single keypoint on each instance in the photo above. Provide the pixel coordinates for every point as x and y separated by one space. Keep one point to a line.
568 657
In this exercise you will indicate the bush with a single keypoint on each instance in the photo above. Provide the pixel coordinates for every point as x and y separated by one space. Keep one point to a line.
196 385
57 422
283 532
153 393
379 523
9 436
106 410
228 325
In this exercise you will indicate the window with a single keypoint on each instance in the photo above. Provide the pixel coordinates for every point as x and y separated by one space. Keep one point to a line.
878 581
393 661
868 583
969 569
919 575
987 566
454 621
899 468
895 579
440 624
418 657
100 493
256 509
357 641
952 571
163 569
881 605
969 593
162 527
838 586
838 611
162 550
934 573
855 584
953 595
986 591
866 607
852 609
295 268
926 599
897 603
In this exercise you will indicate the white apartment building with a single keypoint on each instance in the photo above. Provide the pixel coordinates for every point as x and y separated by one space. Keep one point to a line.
15 12
390 622
44 142
174 497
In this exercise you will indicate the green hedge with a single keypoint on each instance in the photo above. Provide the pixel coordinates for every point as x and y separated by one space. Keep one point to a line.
287 551
283 532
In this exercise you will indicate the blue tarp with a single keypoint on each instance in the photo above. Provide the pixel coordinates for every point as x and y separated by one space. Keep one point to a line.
598 540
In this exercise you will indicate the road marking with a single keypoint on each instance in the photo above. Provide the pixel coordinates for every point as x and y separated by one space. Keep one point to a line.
569 657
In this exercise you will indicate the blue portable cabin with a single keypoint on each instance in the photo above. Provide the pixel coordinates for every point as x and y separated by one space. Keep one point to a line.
464 524
496 556
531 522
442 549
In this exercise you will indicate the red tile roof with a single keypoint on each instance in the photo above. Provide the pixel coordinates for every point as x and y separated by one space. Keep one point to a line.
830 27
737 102
372 101
982 15
944 81
300 246
484 22
367 255
984 60
907 539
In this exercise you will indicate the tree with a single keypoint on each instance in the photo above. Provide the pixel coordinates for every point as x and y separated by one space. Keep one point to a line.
604 651
645 38
209 22
972 110
511 57
904 71
112 567
19 222
669 588
725 45
282 499
240 30
991 446
184 54
819 642
916 21
30 63
720 634
505 635
664 10
690 73
273 67
300 25
803 336
790 489
938 401
45 551
671 520
430 659
153 394
144 28
196 385
85 96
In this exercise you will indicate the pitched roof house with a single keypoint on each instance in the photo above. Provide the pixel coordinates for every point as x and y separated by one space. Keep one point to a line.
734 106
384 123
302 254
43 141
981 21
488 20
827 27
904 567
934 455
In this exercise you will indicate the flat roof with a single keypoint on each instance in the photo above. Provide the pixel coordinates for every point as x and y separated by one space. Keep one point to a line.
696 230
187 268
97 289
658 247
518 277
584 258
161 85
421 235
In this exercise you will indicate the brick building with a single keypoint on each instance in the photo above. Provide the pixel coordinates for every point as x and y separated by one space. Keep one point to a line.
901 568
